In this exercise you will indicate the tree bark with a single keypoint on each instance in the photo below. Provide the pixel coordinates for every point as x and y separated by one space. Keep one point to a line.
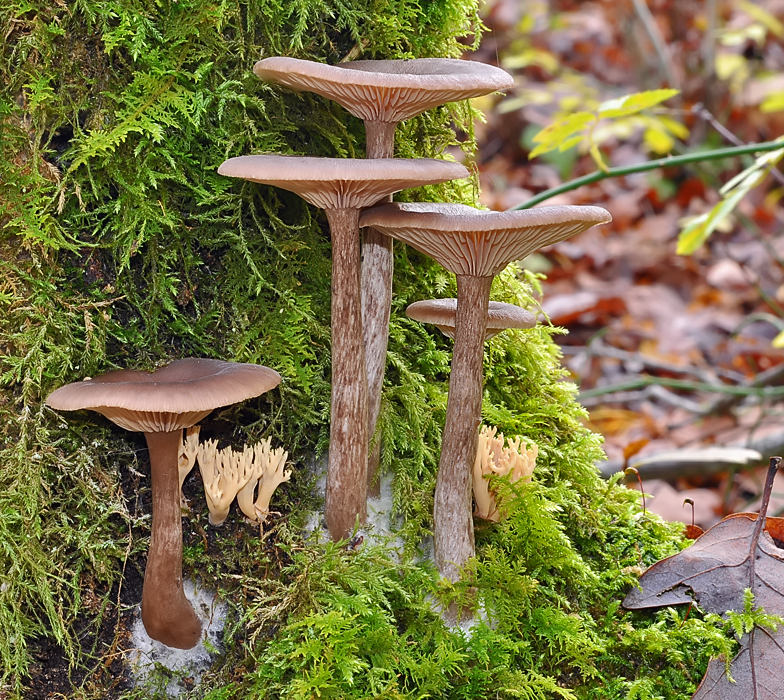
346 497
453 522
166 613
377 268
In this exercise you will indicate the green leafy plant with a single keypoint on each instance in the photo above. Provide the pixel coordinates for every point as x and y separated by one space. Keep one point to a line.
620 117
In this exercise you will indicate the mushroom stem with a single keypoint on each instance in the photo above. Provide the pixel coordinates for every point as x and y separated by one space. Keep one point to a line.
453 524
346 497
377 268
166 613
379 139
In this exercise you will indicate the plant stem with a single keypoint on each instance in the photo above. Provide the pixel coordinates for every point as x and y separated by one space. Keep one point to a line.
640 382
453 523
668 162
166 613
773 467
346 497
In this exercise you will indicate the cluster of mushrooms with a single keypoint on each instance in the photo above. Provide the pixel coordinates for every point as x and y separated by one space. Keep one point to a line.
355 194
474 244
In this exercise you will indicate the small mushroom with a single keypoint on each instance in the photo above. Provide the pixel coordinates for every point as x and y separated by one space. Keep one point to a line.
342 187
442 312
475 245
161 404
383 93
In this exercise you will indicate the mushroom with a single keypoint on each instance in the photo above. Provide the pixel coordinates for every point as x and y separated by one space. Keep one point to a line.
476 245
342 187
383 93
161 404
441 313
492 457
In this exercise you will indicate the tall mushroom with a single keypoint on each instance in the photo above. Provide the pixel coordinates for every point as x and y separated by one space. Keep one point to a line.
476 245
442 313
342 187
383 93
161 404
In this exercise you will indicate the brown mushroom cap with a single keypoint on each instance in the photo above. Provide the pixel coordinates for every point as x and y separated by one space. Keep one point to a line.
469 241
172 398
442 312
342 183
387 91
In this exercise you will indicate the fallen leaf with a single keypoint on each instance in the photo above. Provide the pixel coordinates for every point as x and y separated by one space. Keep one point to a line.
692 532
734 555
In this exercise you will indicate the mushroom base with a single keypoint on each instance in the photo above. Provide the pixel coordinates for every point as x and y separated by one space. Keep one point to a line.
167 615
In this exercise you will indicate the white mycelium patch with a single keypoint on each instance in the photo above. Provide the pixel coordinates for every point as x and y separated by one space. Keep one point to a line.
173 671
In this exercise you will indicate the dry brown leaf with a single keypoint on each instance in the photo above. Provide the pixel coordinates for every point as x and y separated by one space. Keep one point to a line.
732 556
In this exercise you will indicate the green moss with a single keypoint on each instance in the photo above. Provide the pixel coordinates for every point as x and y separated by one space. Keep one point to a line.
120 246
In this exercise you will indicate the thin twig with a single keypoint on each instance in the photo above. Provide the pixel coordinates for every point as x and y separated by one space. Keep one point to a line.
662 50
646 380
769 379
668 162
598 348
709 40
701 111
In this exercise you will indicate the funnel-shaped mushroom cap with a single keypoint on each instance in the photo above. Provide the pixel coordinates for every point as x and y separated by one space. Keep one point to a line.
475 242
342 183
387 91
174 397
442 312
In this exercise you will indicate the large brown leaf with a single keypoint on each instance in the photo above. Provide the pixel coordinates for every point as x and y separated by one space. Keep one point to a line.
736 554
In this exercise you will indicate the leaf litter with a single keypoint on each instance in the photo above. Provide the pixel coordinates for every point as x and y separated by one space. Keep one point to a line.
735 562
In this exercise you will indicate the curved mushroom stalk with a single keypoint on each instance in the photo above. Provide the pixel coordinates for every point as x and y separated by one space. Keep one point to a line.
167 615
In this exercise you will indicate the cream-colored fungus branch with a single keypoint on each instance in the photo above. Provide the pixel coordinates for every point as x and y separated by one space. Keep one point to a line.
515 458
228 474
186 459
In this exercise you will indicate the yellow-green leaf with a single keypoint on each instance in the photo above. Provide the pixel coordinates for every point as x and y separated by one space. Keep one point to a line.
631 104
773 102
658 141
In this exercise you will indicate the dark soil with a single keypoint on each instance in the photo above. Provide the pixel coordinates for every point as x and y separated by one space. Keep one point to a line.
101 648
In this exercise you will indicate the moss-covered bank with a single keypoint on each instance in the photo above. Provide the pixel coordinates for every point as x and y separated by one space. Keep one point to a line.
121 247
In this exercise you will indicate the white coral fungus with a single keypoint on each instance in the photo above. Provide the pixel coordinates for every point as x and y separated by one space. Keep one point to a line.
228 474
187 457
493 458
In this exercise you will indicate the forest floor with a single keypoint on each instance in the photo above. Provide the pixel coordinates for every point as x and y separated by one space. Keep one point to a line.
649 330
